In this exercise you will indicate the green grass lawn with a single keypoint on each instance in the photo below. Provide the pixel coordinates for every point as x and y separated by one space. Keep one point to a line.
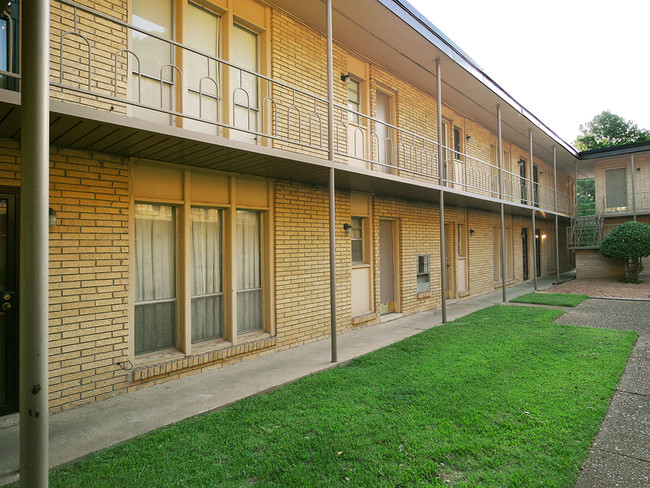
558 299
502 397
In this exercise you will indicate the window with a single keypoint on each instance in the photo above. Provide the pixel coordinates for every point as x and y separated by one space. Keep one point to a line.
164 68
357 243
462 241
354 101
522 179
155 278
203 75
207 273
423 274
199 270
457 145
249 271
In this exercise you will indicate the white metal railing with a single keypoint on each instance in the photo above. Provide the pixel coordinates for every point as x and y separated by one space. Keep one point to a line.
259 109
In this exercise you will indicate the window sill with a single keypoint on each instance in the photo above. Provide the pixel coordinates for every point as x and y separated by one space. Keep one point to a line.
170 362
360 265
424 294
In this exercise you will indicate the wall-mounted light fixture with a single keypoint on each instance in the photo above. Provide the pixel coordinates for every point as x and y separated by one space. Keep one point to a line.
468 137
345 77
638 170
541 173
347 227
52 218
543 236
471 232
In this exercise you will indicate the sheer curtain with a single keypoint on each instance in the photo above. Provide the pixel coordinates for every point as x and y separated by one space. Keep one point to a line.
155 278
249 271
207 282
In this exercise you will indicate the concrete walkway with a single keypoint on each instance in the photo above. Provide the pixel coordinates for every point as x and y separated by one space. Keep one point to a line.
75 433
620 454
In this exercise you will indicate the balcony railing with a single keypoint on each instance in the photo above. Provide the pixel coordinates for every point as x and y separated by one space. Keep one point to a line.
93 63
624 203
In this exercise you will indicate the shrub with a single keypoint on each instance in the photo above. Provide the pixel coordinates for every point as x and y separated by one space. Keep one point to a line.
629 241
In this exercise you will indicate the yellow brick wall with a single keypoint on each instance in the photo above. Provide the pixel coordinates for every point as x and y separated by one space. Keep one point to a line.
105 39
88 272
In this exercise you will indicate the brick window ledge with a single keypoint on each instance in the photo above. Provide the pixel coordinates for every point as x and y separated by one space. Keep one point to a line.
366 317
250 343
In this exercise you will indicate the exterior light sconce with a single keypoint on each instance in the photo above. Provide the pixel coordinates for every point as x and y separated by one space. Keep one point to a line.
345 77
543 236
468 137
541 173
638 170
52 218
347 227
472 232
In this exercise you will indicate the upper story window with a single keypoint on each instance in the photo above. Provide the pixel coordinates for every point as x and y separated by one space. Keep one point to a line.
354 100
190 80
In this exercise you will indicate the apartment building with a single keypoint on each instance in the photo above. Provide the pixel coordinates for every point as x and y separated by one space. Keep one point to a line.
198 150
622 192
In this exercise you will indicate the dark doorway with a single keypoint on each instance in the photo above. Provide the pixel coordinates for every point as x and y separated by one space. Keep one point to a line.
524 249
538 252
8 303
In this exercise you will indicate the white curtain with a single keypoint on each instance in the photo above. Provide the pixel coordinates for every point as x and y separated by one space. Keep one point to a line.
207 280
155 278
249 271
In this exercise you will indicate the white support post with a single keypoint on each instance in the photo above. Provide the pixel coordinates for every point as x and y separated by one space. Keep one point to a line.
441 169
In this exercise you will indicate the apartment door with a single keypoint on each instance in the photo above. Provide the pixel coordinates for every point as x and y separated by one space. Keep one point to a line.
387 260
524 252
449 260
538 252
616 189
8 303
383 131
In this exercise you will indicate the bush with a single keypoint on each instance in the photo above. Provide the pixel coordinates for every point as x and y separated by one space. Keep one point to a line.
629 241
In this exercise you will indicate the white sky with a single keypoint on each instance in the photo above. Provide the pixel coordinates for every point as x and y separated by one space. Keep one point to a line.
564 60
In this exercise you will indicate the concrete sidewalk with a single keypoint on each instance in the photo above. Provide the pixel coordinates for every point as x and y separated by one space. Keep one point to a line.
75 433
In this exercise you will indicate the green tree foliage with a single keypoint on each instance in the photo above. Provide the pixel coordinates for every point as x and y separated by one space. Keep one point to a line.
608 129
586 193
629 241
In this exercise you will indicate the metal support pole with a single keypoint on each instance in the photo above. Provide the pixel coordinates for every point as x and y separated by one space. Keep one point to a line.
502 221
332 188
34 230
441 169
532 192
557 227
633 189
575 188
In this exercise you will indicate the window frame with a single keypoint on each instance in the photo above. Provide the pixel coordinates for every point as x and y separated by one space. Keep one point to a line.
423 269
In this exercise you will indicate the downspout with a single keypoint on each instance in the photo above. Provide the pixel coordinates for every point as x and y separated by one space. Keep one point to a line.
332 188
441 168
34 229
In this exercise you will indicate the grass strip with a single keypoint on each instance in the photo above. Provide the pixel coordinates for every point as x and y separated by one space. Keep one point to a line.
501 397
557 299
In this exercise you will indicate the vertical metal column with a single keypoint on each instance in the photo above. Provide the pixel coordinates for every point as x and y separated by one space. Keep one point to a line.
575 188
441 169
557 227
502 248
332 188
633 189
34 230
532 194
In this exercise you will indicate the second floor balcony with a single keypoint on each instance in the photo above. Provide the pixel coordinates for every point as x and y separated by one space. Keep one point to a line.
134 76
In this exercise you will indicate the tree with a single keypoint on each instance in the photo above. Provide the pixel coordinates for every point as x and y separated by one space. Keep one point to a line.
608 129
629 241
586 194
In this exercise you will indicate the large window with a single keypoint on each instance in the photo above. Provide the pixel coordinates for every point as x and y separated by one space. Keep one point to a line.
155 278
200 269
191 81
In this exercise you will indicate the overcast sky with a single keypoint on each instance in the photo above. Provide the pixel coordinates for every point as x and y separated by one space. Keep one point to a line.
564 60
